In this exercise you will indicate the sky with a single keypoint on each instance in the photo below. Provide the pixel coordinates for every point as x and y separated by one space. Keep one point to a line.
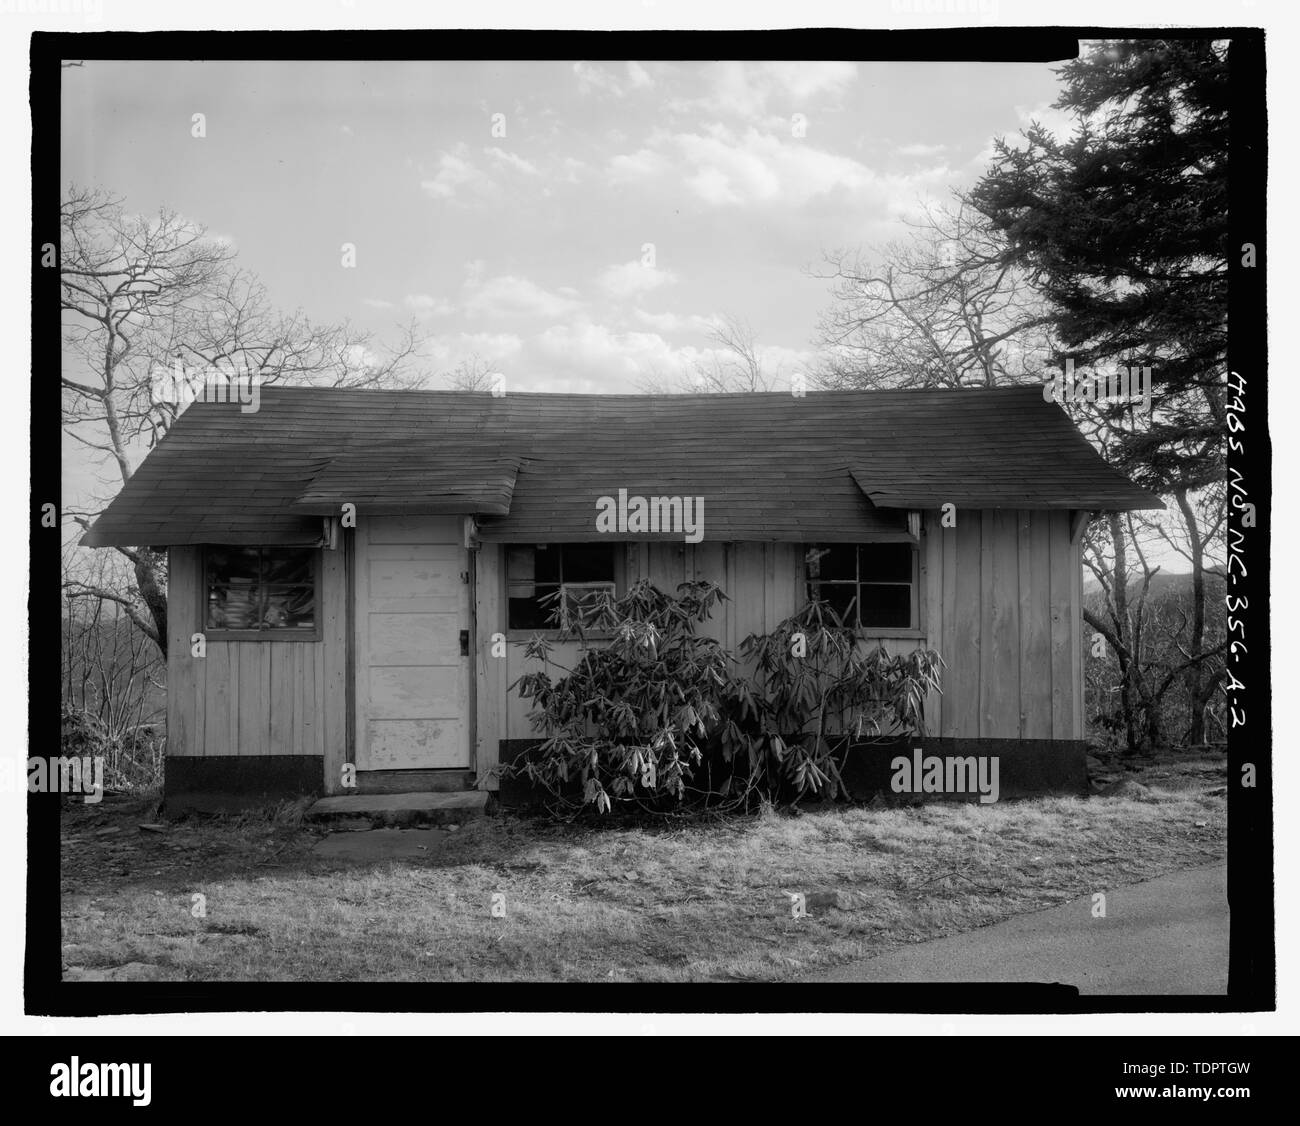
578 225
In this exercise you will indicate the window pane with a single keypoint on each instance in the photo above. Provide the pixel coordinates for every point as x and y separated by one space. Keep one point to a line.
256 589
230 564
519 565
588 562
840 596
887 605
886 563
831 561
289 608
234 607
547 564
529 612
287 565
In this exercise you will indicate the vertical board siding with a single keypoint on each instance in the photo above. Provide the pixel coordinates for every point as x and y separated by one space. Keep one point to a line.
961 650
1007 625
219 738
491 680
943 625
1000 598
1061 555
708 564
932 612
667 565
254 697
1002 719
184 673
1076 637
1035 627
331 660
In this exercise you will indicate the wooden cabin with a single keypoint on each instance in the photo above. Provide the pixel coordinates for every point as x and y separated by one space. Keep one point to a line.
353 574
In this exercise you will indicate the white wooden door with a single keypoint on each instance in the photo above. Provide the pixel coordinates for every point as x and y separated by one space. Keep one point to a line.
412 683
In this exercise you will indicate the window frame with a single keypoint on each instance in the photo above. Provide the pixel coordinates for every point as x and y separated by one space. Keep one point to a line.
917 628
523 633
217 633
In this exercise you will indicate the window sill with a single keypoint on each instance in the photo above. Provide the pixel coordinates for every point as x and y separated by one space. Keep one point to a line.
261 634
870 633
520 636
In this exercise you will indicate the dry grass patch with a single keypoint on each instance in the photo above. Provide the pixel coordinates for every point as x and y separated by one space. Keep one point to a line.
695 903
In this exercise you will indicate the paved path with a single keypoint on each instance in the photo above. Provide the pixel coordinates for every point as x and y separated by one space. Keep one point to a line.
1165 936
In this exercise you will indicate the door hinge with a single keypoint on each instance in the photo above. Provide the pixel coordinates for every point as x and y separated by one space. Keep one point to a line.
464 643
464 576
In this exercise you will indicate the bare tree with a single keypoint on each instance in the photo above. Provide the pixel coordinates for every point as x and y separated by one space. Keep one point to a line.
733 363
936 309
473 373
145 296
945 309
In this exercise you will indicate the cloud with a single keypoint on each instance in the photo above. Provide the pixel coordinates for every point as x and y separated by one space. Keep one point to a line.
511 160
753 89
921 150
456 171
511 296
755 168
376 303
640 165
449 349
676 322
424 305
586 356
598 78
631 279
1060 123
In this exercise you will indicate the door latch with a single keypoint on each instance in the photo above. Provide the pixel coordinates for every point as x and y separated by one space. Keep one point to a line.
464 643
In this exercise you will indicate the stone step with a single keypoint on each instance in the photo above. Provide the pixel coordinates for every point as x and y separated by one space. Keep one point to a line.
388 810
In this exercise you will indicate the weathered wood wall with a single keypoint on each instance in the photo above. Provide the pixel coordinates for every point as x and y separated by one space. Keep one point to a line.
256 697
999 598
1005 611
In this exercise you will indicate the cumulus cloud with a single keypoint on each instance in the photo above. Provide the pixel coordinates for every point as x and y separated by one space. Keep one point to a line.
586 356
425 305
676 322
753 167
456 171
508 295
511 160
631 279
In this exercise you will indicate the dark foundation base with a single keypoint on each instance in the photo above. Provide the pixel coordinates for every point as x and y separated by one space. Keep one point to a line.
1027 768
229 783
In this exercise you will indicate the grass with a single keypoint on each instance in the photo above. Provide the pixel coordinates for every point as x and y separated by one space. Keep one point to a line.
696 903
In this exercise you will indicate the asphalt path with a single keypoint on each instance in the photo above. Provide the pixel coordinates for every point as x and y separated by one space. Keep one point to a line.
1163 936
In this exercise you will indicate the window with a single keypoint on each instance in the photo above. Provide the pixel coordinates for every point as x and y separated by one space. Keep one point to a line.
570 574
869 585
260 591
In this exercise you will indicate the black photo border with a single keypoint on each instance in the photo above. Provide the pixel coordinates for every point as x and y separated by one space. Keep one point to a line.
1250 827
